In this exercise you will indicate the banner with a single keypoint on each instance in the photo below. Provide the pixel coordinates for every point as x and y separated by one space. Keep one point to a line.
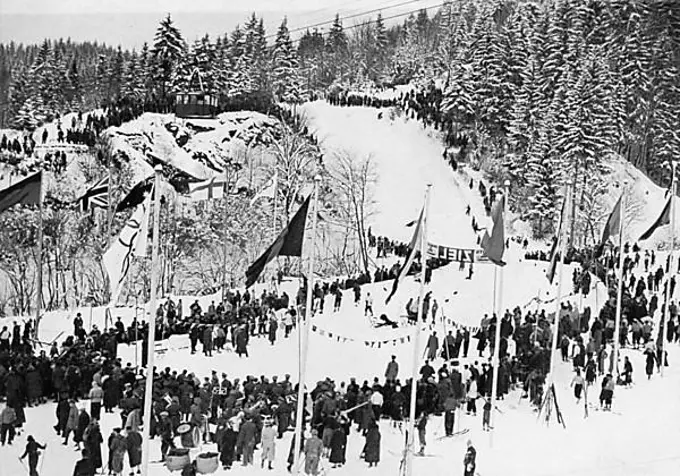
448 253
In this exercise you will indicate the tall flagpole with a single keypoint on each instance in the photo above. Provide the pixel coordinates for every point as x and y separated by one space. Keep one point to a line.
664 316
148 390
558 302
410 432
495 362
619 289
303 337
225 217
38 285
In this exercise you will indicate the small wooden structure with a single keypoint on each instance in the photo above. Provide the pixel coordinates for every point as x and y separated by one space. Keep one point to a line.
196 103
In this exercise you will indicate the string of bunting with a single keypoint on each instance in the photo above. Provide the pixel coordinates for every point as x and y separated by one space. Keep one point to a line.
368 343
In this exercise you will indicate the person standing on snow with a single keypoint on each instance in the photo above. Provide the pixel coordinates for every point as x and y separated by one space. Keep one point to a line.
578 382
432 346
33 452
368 311
470 460
421 425
392 370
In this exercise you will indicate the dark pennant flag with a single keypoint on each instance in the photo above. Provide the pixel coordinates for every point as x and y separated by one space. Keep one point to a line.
664 219
288 243
26 192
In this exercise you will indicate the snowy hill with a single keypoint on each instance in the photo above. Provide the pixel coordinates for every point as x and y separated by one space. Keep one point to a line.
196 147
344 344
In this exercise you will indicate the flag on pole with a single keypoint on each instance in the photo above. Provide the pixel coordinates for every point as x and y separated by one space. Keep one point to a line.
664 219
142 241
555 246
26 192
611 228
208 189
413 246
117 258
136 195
288 243
494 245
268 191
96 196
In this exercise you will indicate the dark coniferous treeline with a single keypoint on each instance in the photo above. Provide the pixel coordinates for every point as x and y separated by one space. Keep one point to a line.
542 90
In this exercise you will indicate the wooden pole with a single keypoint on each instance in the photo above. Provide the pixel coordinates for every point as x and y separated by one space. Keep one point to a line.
664 317
619 290
558 302
225 218
409 451
148 390
495 361
303 338
38 285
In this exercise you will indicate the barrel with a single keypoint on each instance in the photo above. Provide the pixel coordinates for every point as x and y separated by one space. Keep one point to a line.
207 463
177 459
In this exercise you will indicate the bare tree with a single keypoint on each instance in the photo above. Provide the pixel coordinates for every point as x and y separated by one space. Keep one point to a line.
296 162
354 180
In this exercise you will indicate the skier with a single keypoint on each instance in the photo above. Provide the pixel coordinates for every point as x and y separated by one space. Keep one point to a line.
33 453
469 461
486 415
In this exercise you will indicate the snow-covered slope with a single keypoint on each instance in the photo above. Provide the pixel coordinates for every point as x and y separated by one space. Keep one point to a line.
197 147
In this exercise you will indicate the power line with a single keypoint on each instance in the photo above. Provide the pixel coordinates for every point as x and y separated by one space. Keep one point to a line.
398 15
349 17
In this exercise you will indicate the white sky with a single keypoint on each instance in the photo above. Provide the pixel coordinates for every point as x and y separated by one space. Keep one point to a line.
130 23
146 6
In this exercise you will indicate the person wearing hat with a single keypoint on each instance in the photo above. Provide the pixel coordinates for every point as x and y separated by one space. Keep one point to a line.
165 428
470 460
392 370
33 452
84 466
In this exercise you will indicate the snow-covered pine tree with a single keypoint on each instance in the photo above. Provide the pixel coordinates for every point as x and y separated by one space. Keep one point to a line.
286 81
337 46
168 50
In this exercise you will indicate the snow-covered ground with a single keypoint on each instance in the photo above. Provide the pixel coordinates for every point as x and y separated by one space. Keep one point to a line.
639 438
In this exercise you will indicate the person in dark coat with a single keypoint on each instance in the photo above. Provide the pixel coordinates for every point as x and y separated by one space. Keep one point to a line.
228 447
338 447
207 341
470 460
273 327
372 446
33 386
83 423
33 452
93 440
242 341
84 466
650 362
134 448
63 409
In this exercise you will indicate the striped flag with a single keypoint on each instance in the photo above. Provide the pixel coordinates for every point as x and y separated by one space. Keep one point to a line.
96 196
208 189
413 246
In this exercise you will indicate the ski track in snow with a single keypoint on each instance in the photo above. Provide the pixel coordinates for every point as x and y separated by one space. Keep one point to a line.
641 441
